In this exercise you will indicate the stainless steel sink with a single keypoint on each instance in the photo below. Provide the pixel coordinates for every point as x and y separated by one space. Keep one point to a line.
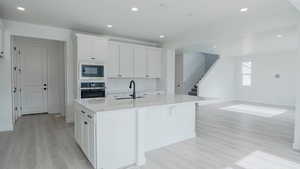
127 98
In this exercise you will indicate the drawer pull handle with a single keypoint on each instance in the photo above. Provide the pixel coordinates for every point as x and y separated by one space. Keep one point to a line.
89 116
85 122
82 112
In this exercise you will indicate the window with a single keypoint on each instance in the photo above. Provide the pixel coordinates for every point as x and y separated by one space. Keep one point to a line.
246 73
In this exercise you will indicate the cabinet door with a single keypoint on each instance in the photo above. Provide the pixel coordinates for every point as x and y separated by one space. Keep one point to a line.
140 66
154 62
77 127
84 48
84 135
92 141
100 47
113 62
126 60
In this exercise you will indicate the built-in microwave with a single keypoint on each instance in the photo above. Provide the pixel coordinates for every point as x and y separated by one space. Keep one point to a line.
91 71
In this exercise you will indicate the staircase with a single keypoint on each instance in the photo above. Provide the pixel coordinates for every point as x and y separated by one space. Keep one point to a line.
213 59
194 91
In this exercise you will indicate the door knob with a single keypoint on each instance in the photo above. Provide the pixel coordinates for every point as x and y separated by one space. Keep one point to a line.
45 84
45 88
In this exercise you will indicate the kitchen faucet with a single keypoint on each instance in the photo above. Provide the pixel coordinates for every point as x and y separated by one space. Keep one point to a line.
132 82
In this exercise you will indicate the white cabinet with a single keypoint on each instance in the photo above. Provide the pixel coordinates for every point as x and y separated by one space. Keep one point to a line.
113 139
140 62
121 60
77 126
113 64
126 61
154 56
91 48
91 139
84 47
85 133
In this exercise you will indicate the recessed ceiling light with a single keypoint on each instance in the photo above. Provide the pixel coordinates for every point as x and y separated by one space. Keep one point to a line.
109 26
279 36
244 9
21 8
134 9
189 14
162 36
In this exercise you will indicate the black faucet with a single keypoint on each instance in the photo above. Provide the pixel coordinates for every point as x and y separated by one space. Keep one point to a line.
130 86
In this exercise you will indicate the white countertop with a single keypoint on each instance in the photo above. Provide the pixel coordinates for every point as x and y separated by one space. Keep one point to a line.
111 104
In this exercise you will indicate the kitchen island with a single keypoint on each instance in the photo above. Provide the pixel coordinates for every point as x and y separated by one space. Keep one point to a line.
116 133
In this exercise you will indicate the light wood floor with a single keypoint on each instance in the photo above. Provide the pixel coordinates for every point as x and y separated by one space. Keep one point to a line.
224 138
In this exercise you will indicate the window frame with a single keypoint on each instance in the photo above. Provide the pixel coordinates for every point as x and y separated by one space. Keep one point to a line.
246 73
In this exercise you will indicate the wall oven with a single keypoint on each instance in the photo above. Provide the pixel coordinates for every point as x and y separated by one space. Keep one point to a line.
91 71
92 90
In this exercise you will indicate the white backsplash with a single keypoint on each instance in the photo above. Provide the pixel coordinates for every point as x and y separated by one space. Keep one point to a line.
122 85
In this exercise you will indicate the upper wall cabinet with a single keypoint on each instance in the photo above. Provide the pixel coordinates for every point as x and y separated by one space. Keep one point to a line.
91 48
133 61
140 62
154 62
126 60
113 61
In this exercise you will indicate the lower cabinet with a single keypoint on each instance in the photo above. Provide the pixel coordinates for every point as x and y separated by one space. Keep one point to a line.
85 134
92 140
117 138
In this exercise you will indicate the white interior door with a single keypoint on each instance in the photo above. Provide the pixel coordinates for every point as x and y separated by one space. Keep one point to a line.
33 78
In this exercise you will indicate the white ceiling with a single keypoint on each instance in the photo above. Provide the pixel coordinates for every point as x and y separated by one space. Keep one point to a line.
202 20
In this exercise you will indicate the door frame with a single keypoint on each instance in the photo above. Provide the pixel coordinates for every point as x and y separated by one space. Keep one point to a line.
17 102
67 53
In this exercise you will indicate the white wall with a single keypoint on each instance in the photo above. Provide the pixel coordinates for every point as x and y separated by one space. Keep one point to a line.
5 90
265 87
297 112
35 31
219 81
